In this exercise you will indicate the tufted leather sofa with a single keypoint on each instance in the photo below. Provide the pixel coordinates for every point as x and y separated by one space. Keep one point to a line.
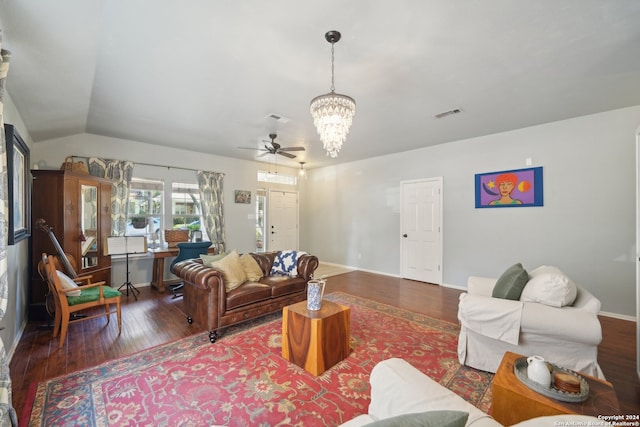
208 304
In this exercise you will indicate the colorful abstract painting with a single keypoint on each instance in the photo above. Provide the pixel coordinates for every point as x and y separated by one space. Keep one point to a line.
512 188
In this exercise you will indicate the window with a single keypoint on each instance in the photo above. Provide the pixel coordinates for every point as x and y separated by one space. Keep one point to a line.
277 178
144 217
261 224
186 209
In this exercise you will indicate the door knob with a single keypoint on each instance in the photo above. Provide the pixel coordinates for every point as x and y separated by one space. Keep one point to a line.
404 235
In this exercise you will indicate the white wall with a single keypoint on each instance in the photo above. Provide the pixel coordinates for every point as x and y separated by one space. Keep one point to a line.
18 257
586 226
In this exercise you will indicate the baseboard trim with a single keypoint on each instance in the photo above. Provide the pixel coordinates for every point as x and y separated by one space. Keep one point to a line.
460 288
382 273
16 341
618 316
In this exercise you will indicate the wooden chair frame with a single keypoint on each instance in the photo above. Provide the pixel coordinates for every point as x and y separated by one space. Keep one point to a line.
63 310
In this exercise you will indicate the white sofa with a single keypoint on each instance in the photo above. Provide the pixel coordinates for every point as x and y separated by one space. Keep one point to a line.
397 388
567 336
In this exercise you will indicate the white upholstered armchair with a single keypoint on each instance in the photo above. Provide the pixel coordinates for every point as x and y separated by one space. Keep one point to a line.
566 335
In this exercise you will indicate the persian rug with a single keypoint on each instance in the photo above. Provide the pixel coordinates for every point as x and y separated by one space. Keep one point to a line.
242 379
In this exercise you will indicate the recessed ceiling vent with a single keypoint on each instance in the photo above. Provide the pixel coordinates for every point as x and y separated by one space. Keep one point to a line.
448 113
278 118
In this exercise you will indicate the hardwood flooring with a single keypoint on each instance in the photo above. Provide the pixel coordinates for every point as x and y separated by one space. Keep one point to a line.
156 318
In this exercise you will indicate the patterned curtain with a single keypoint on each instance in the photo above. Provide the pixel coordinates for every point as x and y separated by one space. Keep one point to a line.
212 200
120 172
7 413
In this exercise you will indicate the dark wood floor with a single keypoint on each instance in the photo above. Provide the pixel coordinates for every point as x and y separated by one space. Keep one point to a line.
156 319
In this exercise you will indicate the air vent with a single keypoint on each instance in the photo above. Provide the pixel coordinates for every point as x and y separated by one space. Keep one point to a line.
278 118
448 113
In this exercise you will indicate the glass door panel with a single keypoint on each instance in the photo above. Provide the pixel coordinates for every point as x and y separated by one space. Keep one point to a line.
261 224
88 238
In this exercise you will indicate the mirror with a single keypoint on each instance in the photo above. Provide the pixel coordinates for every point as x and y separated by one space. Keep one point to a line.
88 238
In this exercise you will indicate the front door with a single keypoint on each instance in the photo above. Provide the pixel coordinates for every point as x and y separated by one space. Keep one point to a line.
283 220
421 230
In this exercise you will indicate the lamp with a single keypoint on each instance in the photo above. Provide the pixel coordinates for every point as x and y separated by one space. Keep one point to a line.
332 113
302 172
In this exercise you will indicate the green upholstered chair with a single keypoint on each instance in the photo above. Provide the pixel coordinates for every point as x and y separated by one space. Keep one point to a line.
70 299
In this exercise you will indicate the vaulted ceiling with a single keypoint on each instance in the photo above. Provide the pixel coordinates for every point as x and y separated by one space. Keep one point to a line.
210 76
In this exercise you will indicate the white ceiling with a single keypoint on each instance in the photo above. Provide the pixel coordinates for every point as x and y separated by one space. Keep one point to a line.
205 75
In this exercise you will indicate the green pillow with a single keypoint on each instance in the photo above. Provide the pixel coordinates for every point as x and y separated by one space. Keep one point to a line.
511 283
425 419
210 259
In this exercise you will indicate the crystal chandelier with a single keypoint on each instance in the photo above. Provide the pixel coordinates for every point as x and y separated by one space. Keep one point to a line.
332 113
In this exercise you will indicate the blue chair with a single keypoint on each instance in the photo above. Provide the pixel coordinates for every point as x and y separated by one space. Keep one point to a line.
187 250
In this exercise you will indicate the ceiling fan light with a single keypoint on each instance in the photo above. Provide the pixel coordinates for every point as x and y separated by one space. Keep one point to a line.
332 113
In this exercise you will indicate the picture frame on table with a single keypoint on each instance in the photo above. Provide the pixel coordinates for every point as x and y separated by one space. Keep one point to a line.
510 188
18 186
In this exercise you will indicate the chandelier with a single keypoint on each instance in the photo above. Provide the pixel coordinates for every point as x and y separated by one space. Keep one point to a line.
332 113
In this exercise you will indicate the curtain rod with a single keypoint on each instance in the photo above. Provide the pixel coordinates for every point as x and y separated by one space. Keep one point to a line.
165 166
154 165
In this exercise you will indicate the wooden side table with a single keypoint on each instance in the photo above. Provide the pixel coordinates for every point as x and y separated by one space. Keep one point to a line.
514 402
315 340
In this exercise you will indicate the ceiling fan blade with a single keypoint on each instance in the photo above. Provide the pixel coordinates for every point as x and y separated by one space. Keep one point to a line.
250 148
282 153
292 149
266 153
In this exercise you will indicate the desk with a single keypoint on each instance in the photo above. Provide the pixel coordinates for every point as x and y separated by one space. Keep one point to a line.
157 278
514 402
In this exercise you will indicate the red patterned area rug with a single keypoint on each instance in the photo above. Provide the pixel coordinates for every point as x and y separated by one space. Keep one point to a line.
242 379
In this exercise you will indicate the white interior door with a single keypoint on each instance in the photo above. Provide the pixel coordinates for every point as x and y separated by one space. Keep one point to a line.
421 230
283 220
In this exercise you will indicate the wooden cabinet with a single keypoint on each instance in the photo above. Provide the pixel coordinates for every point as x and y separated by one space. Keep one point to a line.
77 207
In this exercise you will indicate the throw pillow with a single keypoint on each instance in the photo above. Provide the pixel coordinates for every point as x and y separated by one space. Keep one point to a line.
511 283
251 267
286 263
67 283
425 419
232 270
210 259
548 285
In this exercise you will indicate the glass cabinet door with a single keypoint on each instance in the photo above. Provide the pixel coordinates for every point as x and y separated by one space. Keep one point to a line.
88 238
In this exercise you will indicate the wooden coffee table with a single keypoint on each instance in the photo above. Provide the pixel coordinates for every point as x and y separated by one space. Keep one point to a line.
514 402
315 340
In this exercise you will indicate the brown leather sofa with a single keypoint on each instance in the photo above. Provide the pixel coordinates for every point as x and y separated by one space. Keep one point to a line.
208 304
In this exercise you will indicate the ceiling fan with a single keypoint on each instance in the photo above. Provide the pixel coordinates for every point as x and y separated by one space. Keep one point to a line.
275 148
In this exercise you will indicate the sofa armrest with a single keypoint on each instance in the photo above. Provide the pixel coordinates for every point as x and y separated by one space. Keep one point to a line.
567 323
481 285
307 264
196 273
586 301
264 260
495 318
399 388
